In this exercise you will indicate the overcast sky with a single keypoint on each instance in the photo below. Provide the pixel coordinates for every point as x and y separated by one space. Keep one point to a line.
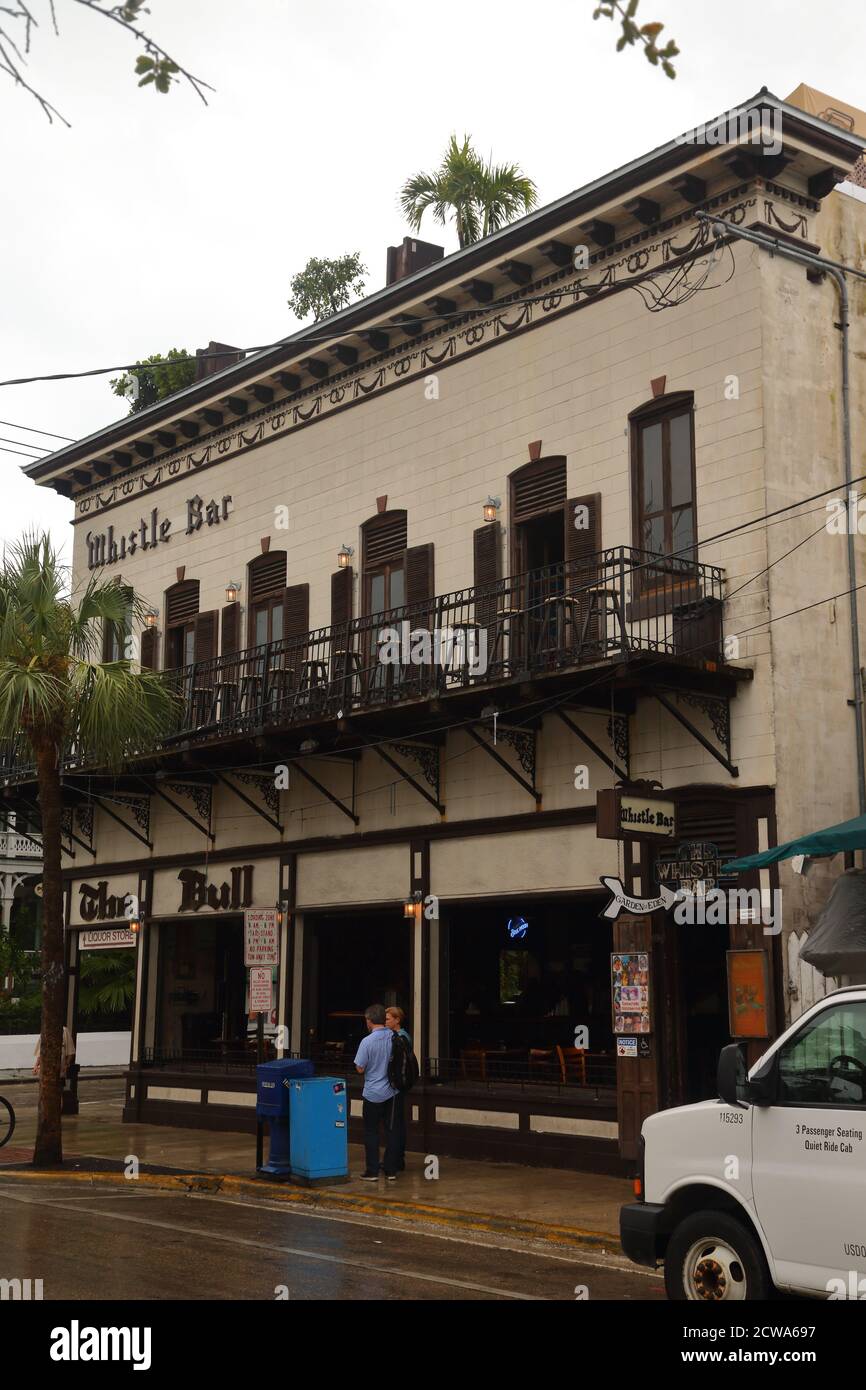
158 222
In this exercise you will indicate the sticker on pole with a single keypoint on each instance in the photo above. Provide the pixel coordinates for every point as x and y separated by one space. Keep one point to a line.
261 936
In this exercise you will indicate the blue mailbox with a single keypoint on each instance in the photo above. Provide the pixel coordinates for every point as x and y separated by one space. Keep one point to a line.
319 1129
273 1103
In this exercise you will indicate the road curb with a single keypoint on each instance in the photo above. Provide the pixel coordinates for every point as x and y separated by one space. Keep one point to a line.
564 1237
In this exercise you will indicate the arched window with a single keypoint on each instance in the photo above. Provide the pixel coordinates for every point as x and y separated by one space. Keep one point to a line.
663 476
384 562
266 576
181 613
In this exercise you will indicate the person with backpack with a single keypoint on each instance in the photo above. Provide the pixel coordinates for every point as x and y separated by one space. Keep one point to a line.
403 1072
380 1097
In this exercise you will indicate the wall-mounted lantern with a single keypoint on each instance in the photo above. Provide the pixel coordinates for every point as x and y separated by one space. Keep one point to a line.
233 588
150 617
412 906
344 556
491 507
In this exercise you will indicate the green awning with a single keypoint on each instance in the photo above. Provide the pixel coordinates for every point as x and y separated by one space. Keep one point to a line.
848 835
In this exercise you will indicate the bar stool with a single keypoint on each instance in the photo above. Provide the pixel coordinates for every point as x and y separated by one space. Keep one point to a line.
347 675
600 602
509 622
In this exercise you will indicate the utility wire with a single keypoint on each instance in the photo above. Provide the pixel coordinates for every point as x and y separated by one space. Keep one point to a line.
32 429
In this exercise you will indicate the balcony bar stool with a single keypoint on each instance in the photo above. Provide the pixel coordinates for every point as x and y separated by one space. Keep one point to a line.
509 638
601 602
347 667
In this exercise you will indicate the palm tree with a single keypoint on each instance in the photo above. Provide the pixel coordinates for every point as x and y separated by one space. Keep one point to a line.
54 695
482 197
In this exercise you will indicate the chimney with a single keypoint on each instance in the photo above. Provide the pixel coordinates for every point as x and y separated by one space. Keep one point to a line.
411 256
223 356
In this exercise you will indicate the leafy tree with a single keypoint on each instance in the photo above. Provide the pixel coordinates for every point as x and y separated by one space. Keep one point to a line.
632 33
15 964
107 981
153 66
325 286
55 695
159 377
482 197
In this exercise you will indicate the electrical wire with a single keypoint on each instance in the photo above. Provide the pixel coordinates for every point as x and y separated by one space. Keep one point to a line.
33 429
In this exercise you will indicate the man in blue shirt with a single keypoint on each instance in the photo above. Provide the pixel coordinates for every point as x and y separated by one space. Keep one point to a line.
380 1098
394 1017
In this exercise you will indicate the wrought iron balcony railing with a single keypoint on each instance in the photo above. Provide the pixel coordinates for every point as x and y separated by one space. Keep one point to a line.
620 603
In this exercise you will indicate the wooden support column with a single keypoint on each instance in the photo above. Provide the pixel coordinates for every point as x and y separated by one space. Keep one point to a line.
637 1078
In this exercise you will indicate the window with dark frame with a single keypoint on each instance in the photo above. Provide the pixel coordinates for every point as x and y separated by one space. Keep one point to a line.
115 635
181 611
663 480
384 546
267 585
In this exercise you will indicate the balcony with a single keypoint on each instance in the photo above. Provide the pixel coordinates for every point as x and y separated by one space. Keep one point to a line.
618 617
14 846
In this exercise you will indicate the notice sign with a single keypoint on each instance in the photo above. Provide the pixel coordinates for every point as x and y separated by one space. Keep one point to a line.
620 812
260 989
107 940
261 937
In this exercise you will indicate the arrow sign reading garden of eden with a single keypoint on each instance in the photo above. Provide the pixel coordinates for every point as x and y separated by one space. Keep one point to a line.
621 902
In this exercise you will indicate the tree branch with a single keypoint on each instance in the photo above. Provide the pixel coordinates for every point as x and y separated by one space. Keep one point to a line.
155 65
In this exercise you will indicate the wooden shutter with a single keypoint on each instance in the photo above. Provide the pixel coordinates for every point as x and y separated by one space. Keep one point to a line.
231 629
296 610
341 597
149 649
418 563
487 560
538 487
267 575
384 538
582 546
205 640
582 543
181 602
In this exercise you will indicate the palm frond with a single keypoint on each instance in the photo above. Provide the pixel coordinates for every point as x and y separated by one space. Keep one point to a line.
119 712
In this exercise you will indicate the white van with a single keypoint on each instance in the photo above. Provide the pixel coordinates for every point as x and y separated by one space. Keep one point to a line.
765 1187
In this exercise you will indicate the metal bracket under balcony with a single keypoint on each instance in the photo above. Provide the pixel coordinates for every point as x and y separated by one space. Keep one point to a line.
617 732
347 811
266 787
426 758
524 742
138 805
717 708
197 792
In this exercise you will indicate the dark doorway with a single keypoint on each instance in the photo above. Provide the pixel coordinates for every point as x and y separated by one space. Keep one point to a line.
704 1006
355 959
202 991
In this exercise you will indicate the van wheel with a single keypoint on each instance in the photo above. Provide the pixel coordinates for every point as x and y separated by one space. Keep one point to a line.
714 1258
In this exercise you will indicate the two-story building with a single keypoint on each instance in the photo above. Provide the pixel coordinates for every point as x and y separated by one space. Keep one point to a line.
529 522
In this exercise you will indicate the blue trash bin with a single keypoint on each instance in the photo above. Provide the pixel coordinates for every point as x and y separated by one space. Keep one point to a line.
319 1130
273 1103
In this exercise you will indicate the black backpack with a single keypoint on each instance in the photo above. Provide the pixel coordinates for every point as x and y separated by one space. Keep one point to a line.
403 1069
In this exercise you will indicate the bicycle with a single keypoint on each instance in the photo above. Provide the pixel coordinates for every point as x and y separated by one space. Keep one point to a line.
7 1121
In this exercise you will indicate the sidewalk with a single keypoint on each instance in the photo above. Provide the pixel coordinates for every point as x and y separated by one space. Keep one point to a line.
553 1205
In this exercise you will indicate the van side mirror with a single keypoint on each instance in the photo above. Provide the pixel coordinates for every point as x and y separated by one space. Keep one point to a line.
737 1088
732 1077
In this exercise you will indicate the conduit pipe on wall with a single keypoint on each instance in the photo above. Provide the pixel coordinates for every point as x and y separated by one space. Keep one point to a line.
837 272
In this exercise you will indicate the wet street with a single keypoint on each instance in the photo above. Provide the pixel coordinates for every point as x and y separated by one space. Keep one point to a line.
110 1244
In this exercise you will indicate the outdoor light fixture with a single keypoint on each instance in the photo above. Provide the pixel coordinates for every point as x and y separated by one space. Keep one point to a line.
282 913
491 507
233 588
135 925
344 556
150 617
412 906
